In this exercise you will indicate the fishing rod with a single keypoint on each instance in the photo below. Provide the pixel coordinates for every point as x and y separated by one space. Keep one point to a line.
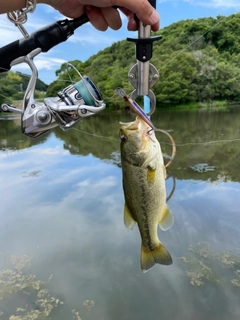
44 39
83 98
65 110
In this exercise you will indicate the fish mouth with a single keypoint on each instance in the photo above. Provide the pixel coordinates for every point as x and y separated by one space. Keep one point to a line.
130 126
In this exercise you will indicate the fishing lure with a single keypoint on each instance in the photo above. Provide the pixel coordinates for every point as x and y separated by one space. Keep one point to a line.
135 107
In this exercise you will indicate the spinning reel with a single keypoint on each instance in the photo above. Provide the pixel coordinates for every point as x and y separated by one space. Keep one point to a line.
79 100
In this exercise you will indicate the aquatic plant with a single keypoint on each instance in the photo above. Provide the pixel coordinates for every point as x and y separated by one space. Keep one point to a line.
12 281
202 167
236 282
199 273
15 280
200 267
89 304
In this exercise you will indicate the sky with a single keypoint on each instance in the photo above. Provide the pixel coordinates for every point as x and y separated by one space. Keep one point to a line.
87 41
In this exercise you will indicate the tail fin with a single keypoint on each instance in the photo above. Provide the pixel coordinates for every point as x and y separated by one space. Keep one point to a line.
158 255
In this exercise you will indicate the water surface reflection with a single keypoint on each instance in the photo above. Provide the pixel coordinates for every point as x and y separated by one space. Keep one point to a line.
62 203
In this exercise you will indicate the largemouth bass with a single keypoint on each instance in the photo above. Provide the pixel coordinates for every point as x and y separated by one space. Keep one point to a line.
144 188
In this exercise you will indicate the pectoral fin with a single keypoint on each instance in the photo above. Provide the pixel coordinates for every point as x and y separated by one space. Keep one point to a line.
152 165
151 175
167 220
128 219
158 255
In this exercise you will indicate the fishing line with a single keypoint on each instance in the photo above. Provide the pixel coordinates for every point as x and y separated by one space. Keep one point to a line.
174 145
188 46
163 142
95 135
2 95
202 143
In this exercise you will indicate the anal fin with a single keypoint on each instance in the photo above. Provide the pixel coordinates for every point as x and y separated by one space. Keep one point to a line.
167 219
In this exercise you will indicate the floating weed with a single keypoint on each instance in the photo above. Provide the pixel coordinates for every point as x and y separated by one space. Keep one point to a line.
16 280
89 304
12 281
203 250
20 262
76 314
229 260
200 272
236 282
202 167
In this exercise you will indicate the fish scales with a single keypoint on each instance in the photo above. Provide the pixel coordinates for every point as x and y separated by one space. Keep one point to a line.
144 190
148 200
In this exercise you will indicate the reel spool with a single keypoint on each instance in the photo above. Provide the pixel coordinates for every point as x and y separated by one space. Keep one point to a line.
83 92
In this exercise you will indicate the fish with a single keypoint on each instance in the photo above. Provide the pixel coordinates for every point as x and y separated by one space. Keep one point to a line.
143 179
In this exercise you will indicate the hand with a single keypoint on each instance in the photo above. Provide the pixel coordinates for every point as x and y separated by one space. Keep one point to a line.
102 15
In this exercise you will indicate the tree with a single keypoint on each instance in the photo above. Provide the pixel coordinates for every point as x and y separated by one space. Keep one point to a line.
226 82
198 60
176 84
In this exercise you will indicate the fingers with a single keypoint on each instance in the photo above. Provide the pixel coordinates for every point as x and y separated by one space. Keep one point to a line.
112 18
71 9
101 18
133 24
143 10
106 16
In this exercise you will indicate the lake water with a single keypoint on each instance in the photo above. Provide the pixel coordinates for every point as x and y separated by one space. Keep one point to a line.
64 251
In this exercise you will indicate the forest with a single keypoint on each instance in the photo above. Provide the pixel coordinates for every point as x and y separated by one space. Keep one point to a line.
14 84
198 62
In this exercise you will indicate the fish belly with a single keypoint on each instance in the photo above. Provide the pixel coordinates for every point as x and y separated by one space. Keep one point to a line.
146 201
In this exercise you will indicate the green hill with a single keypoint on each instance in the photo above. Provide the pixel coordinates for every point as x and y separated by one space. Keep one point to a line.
198 61
14 84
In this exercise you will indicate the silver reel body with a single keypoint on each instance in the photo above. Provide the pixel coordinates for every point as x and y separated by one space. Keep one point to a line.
77 101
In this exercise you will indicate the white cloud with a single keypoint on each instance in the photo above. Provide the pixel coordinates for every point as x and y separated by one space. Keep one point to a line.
49 63
90 36
10 33
43 62
235 4
105 183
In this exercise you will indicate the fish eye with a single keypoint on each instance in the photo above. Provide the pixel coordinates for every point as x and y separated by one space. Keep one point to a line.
123 138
